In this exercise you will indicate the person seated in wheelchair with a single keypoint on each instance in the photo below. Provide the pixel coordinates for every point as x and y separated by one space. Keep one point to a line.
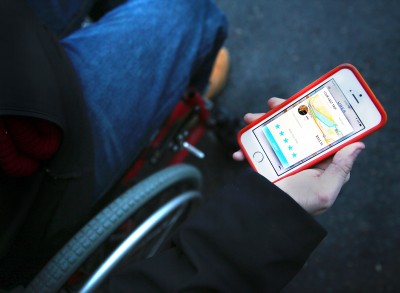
78 105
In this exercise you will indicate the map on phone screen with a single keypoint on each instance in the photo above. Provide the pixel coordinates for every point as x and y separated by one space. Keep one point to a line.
301 131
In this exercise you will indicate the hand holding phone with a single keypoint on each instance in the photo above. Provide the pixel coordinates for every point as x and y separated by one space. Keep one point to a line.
317 188
337 109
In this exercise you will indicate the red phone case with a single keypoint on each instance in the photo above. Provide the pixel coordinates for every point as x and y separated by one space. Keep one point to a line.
304 90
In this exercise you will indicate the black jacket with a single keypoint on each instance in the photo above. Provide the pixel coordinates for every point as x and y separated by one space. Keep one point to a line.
37 80
252 237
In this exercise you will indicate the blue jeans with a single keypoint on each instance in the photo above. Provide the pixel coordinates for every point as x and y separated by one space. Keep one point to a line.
134 65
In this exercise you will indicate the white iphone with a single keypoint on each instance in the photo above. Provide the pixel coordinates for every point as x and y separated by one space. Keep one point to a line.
337 109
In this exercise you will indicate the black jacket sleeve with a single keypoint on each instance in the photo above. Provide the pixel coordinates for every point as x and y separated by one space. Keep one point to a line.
250 238
39 213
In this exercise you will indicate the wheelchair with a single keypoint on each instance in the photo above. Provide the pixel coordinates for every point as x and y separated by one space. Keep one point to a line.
171 191
141 212
43 224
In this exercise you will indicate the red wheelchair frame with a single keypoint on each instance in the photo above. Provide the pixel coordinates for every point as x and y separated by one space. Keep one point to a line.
178 137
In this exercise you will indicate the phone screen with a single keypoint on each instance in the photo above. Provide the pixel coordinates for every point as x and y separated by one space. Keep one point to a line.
311 125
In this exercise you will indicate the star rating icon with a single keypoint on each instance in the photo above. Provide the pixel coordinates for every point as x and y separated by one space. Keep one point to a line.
277 126
281 133
286 140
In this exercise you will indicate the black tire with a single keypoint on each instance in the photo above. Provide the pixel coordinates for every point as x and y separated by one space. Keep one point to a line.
54 275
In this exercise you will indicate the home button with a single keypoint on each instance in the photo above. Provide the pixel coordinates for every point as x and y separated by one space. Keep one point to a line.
258 157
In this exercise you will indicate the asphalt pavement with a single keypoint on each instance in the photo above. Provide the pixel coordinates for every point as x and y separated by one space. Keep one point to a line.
278 47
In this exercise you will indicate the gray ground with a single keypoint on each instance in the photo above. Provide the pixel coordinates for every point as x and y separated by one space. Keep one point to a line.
278 47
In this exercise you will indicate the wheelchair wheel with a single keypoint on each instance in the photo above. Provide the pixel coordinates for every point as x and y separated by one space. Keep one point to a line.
65 263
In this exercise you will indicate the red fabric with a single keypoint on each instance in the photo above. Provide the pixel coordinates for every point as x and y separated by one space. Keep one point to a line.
24 143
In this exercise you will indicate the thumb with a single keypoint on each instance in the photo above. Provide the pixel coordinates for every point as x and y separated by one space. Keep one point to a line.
337 173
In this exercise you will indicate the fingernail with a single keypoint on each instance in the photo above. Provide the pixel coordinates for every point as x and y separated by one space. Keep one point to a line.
248 115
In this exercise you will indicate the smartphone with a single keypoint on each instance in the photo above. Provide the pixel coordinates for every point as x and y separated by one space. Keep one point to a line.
335 110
